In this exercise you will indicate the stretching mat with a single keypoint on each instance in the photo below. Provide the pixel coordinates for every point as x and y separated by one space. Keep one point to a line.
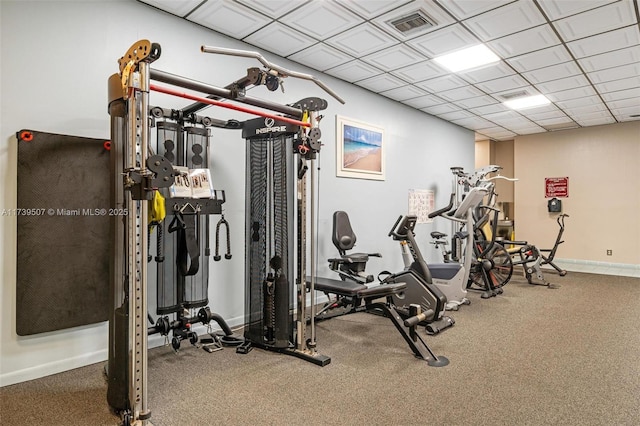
63 232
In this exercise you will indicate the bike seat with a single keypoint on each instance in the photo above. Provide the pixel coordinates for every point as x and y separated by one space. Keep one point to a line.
437 235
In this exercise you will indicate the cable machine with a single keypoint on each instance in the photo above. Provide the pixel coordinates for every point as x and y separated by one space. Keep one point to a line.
139 172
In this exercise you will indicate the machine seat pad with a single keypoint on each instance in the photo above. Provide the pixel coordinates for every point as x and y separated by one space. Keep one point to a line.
343 288
444 271
356 257
352 288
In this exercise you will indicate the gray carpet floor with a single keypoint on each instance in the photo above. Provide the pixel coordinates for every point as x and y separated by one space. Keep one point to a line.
532 356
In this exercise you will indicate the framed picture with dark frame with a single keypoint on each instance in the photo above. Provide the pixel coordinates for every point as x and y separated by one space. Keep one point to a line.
360 149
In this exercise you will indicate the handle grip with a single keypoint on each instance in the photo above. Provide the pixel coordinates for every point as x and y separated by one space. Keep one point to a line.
416 319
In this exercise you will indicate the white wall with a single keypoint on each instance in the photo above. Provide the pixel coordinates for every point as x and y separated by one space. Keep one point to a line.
56 58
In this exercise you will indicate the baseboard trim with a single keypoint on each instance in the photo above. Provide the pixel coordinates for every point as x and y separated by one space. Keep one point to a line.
595 267
53 367
59 366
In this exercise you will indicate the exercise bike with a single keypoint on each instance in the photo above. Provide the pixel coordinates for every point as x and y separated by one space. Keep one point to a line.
532 259
351 268
452 277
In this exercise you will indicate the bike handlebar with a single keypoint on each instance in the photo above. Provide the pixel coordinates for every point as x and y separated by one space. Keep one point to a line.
444 209
393 228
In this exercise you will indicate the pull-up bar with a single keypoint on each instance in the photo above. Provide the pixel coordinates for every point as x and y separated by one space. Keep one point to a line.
172 92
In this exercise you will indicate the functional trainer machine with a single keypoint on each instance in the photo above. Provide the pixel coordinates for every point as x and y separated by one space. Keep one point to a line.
137 176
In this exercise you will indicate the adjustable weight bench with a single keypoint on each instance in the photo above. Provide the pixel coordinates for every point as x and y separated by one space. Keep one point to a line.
356 297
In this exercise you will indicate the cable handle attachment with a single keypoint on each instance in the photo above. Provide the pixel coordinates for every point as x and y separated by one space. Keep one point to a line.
227 255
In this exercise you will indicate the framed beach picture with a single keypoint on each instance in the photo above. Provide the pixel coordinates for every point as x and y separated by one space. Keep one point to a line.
360 149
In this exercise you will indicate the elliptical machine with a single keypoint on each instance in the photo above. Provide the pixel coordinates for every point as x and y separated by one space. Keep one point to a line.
452 277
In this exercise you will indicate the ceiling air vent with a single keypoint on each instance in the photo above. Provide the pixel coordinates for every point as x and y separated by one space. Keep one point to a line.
412 23
513 95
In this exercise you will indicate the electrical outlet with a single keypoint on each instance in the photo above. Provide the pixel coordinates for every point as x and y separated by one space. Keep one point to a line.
609 252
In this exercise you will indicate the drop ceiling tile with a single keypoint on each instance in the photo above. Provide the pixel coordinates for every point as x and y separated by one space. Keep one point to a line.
591 116
580 110
460 93
562 84
596 121
231 19
271 8
443 83
550 122
553 72
280 39
440 109
354 71
321 57
613 59
565 95
463 9
321 20
489 109
472 123
623 112
541 58
505 20
403 93
581 102
502 136
505 116
546 115
541 110
488 72
502 84
178 8
615 85
424 101
556 9
618 73
361 40
605 18
369 8
434 14
491 128
478 101
393 58
497 133
512 123
523 42
449 39
622 118
624 103
624 37
455 115
381 83
419 72
622 94
530 130
551 112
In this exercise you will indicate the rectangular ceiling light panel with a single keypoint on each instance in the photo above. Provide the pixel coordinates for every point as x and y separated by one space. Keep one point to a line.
469 58
527 102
